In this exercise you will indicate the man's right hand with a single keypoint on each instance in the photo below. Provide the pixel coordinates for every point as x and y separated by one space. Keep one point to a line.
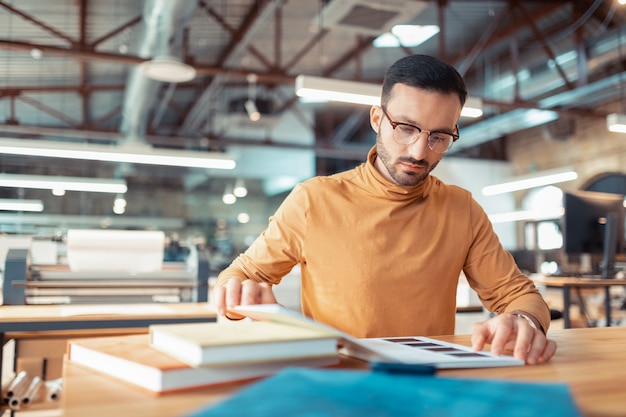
237 292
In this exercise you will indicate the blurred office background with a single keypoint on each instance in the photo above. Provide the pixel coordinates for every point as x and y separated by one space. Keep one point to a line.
215 80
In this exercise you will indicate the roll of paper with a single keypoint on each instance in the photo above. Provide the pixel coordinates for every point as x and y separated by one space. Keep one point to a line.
132 251
33 392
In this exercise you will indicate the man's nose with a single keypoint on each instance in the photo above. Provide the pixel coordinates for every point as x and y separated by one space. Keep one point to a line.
419 149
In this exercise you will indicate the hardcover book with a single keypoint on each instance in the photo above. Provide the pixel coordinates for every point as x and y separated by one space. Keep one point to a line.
405 350
200 344
132 360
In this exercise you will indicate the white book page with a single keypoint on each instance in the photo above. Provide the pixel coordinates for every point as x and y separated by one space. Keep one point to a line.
442 355
409 350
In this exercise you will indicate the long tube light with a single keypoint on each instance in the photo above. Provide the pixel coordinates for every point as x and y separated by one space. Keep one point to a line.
21 220
473 108
516 216
329 89
43 182
318 88
134 154
532 181
20 204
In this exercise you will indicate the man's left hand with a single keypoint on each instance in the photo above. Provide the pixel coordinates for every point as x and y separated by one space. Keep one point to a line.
509 332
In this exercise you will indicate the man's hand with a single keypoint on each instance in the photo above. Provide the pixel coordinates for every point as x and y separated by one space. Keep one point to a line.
237 292
506 331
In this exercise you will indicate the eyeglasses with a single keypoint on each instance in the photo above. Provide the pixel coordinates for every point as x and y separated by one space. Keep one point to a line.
406 134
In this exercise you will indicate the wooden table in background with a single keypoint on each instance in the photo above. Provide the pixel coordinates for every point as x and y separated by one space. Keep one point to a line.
591 361
41 321
566 284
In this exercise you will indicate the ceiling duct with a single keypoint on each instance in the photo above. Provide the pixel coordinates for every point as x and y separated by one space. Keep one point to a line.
602 52
367 16
163 22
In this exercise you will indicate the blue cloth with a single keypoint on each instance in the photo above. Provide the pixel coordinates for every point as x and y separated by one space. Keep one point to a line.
346 393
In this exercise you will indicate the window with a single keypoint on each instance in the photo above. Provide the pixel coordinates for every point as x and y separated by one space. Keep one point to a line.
545 234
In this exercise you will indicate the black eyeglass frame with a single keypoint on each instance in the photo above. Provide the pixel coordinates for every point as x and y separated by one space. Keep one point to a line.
455 136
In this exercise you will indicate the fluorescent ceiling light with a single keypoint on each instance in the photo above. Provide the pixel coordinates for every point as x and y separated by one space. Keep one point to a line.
82 221
44 182
408 36
327 89
240 189
119 204
14 204
167 69
228 197
515 216
531 181
616 122
473 108
252 110
243 218
135 154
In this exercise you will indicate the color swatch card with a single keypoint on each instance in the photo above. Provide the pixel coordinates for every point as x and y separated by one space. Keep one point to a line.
441 355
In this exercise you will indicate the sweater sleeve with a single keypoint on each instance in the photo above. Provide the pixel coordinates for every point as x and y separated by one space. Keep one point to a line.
494 275
279 247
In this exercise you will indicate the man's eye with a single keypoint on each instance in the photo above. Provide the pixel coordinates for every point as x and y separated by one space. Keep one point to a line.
408 130
440 137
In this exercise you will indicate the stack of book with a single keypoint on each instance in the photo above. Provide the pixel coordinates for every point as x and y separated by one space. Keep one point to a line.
176 357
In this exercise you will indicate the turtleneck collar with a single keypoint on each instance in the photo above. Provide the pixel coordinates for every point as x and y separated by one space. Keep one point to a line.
377 184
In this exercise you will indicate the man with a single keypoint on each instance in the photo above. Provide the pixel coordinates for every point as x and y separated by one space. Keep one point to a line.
381 246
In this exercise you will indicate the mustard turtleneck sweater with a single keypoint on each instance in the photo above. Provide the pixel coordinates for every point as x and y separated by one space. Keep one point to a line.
379 259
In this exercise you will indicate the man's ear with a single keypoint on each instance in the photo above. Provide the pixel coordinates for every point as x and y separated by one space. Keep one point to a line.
376 114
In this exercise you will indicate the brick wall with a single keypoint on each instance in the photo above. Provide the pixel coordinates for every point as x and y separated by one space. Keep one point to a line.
591 150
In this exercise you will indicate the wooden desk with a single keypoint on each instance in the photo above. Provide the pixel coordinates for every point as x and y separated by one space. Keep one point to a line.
43 320
99 316
567 283
592 361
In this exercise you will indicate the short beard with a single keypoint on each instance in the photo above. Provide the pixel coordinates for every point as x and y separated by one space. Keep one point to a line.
400 177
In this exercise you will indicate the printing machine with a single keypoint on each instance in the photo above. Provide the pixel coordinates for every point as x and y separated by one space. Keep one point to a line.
175 281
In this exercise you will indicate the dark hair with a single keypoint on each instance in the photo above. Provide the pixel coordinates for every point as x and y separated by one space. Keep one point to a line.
425 72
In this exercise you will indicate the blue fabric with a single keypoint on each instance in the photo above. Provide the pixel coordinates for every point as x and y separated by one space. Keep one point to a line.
341 393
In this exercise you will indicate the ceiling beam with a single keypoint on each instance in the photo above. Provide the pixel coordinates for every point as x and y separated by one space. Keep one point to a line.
344 151
269 77
254 21
71 52
363 44
56 89
51 111
544 43
505 34
486 37
236 35
134 21
38 23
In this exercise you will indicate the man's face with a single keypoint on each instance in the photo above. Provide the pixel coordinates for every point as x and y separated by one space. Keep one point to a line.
409 165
